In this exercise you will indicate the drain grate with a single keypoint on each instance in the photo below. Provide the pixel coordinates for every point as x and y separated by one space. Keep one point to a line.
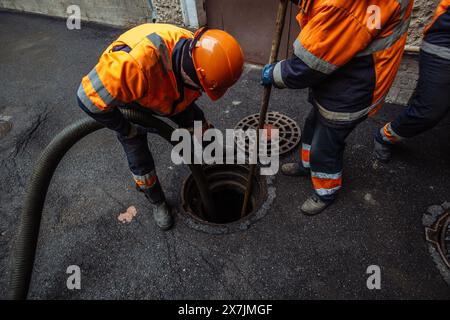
289 131
437 233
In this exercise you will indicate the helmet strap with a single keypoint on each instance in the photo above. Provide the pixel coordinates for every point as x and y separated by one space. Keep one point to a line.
197 37
187 66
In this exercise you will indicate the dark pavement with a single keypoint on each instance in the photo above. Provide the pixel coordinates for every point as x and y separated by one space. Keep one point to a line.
376 220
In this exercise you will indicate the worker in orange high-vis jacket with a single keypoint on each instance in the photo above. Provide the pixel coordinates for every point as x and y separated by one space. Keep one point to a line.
161 68
347 53
431 99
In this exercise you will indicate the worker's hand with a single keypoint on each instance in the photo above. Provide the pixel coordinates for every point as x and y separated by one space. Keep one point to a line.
266 75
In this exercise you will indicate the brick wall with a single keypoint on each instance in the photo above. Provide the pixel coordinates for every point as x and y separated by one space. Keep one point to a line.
405 81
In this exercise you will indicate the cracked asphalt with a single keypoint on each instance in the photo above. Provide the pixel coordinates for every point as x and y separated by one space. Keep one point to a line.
376 220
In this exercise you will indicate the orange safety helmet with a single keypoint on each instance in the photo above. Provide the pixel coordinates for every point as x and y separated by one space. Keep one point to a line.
218 61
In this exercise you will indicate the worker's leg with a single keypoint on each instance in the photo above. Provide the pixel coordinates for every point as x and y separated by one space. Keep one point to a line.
326 163
142 166
302 167
429 104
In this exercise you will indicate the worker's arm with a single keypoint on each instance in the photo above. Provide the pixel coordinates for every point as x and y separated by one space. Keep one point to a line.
116 80
112 119
328 41
187 118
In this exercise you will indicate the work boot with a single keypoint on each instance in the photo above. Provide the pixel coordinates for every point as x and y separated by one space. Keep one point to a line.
382 151
314 205
162 216
295 169
161 210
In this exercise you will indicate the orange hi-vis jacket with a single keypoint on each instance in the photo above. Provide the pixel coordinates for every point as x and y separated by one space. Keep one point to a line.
348 52
437 33
138 67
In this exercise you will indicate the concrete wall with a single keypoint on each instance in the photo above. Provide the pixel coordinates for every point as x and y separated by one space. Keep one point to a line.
131 12
114 12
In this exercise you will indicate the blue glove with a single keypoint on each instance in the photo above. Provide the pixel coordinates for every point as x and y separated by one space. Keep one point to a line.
266 75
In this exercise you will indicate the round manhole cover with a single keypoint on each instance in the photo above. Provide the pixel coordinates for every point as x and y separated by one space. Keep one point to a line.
437 233
289 131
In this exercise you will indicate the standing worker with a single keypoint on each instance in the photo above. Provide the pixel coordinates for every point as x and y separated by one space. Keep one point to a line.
161 68
431 99
348 54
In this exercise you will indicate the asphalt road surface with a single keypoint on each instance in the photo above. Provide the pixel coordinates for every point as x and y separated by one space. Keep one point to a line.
375 221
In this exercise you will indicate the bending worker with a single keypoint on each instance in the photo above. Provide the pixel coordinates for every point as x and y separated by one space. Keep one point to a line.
348 53
164 69
431 99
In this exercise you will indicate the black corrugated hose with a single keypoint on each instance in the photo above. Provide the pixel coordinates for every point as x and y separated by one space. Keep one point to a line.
28 232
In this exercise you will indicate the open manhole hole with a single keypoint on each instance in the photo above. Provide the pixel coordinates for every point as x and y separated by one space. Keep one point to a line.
289 131
437 233
227 183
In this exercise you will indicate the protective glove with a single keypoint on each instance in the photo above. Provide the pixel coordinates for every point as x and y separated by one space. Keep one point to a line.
266 75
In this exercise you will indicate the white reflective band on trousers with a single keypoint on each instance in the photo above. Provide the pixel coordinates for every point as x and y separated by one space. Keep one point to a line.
146 181
388 134
346 116
436 50
327 192
322 175
305 162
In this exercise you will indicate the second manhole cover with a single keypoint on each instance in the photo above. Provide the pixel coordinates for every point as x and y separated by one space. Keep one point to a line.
437 233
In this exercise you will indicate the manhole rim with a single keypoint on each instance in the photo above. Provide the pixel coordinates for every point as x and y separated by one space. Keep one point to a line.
436 221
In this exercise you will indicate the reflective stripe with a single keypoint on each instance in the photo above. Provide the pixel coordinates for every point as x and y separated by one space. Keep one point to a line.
326 183
346 116
439 51
384 43
327 192
321 175
311 60
146 181
277 77
306 146
86 101
389 135
305 155
101 90
160 45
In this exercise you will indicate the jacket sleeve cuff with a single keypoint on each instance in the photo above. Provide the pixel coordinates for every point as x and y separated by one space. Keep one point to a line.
277 76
